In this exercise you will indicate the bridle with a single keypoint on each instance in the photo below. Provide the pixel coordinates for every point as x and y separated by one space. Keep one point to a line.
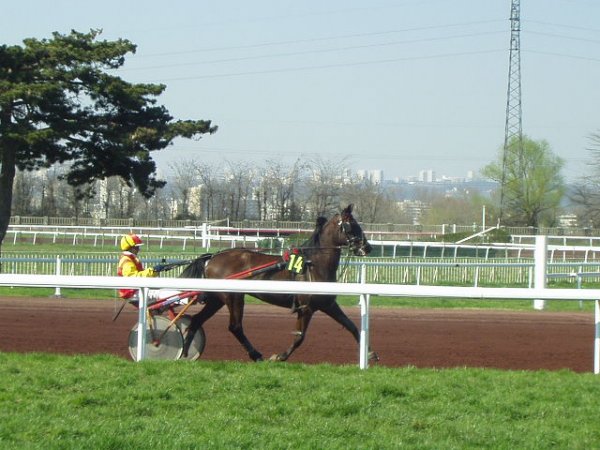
355 242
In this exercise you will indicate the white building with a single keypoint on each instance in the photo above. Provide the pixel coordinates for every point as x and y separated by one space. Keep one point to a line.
375 176
427 176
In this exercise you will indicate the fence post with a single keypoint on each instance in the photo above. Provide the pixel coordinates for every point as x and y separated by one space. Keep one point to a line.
364 322
142 324
204 235
540 257
597 338
58 269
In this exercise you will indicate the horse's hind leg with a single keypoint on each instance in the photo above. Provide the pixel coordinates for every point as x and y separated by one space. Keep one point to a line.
302 322
334 311
236 315
211 306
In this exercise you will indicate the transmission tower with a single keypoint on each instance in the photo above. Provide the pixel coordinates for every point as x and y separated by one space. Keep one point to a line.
513 130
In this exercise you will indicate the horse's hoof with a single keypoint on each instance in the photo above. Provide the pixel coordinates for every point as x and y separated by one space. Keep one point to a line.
373 357
255 355
277 357
187 343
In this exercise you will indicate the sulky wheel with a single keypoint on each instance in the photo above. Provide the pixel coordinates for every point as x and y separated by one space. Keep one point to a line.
199 341
170 346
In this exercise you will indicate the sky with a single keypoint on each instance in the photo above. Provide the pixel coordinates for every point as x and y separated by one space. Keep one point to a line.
395 85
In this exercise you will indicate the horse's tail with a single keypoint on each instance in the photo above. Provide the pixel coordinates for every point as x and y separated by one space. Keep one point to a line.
196 268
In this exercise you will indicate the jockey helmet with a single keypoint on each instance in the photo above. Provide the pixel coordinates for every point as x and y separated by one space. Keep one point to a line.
129 241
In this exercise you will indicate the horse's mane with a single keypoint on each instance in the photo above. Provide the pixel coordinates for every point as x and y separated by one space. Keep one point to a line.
196 268
315 239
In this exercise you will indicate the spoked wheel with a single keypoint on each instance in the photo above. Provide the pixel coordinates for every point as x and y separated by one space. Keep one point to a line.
199 341
170 345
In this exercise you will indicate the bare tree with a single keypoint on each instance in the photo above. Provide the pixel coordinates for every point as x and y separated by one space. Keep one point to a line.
372 201
24 193
159 207
586 193
239 179
185 178
211 191
277 190
324 186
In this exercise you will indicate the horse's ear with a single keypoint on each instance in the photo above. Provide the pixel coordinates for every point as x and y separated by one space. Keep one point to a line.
348 210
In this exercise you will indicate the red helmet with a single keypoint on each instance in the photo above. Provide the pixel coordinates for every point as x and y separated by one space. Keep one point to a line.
129 241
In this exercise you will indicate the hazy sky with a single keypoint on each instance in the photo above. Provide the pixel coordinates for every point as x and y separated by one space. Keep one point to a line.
398 85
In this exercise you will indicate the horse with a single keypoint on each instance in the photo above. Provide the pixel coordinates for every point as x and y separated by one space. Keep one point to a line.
315 260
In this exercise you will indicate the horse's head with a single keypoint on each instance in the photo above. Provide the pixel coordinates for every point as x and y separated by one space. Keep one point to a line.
353 233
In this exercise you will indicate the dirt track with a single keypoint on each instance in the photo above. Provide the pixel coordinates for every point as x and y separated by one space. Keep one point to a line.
421 338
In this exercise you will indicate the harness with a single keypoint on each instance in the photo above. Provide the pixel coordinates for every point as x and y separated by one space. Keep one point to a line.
292 260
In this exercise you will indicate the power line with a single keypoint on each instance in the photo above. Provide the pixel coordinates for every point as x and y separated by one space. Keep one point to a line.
562 36
319 39
562 55
316 51
573 27
329 66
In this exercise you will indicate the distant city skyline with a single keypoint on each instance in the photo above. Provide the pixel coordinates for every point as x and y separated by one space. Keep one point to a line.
402 86
423 175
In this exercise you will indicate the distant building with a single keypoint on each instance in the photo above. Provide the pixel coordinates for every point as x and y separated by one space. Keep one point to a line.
375 176
195 201
427 176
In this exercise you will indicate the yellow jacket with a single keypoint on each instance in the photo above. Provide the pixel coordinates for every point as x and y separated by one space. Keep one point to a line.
131 266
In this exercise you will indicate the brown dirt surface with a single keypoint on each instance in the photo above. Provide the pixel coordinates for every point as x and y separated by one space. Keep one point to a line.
402 337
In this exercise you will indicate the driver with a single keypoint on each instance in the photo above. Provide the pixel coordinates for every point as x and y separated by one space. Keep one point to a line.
130 265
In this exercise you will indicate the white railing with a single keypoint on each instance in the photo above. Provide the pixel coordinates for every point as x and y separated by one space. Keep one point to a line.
207 236
364 291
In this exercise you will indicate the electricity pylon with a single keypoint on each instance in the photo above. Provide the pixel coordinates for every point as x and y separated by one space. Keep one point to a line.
513 130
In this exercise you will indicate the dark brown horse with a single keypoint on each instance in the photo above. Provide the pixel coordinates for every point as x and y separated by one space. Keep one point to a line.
316 260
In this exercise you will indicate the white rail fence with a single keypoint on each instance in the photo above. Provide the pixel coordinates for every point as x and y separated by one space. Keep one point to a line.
205 236
427 271
363 291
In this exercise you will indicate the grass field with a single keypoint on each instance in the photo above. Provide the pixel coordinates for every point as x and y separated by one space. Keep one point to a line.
60 402
50 401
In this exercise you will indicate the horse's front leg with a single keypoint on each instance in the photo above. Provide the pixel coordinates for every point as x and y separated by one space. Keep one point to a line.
334 311
302 321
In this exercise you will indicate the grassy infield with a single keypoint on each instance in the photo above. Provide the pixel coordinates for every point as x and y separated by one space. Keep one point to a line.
55 401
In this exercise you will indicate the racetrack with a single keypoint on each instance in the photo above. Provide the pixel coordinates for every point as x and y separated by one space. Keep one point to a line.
402 337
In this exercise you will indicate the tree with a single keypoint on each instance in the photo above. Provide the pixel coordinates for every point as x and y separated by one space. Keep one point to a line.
586 192
59 103
278 189
461 208
373 201
533 184
324 186
237 188
184 180
212 191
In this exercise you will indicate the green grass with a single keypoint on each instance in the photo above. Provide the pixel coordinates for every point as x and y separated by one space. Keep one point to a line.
60 402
